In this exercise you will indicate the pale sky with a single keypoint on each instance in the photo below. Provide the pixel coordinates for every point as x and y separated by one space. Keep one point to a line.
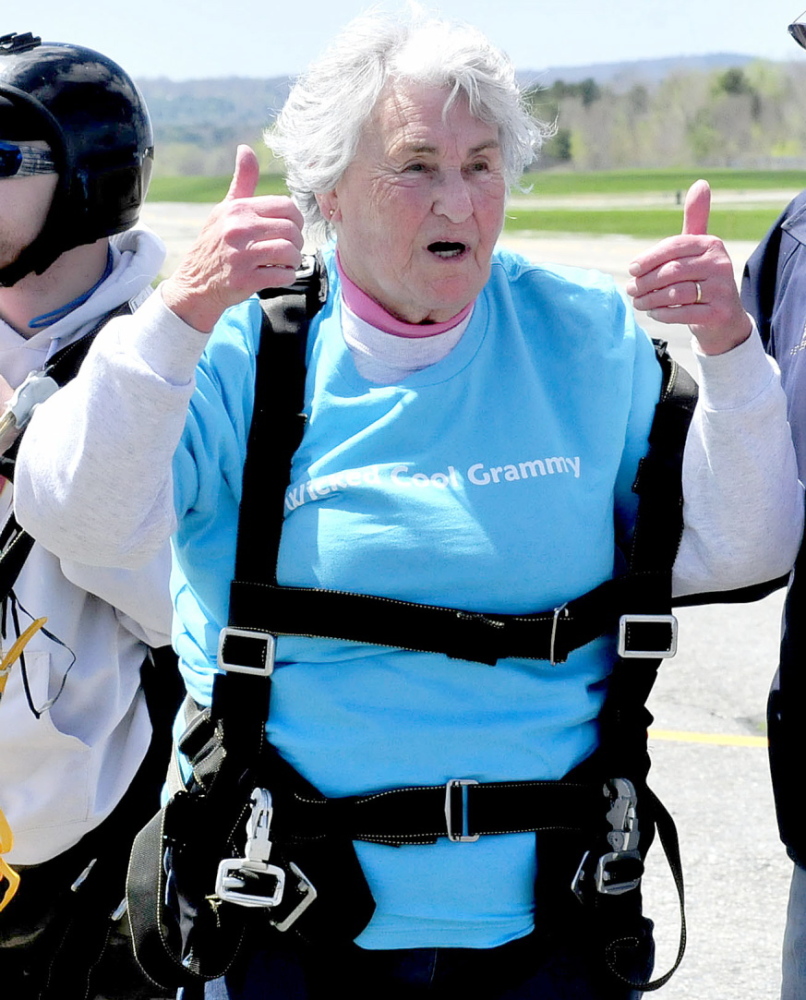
186 39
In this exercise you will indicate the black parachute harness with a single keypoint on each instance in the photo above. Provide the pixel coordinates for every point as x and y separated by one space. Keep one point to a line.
193 881
15 543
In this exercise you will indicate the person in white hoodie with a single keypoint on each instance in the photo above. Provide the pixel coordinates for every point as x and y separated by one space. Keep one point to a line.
81 764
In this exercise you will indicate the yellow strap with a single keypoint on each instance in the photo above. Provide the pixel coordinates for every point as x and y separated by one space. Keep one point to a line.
6 836
13 654
6 871
11 877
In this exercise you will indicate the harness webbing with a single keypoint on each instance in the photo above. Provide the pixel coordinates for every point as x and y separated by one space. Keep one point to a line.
241 702
258 602
464 635
419 815
228 742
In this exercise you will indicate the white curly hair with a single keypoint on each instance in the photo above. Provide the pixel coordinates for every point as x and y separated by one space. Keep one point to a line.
318 130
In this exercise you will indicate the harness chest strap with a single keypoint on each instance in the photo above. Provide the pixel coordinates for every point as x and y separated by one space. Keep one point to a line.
466 635
636 604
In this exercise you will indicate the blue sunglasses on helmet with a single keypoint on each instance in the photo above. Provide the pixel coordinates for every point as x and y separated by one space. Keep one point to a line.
19 160
798 30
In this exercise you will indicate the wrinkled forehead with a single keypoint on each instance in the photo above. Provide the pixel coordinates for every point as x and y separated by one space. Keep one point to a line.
409 111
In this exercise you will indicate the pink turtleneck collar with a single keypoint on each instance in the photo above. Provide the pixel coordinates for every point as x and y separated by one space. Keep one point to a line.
373 313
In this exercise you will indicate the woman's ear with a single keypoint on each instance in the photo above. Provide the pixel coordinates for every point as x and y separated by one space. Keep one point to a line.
329 206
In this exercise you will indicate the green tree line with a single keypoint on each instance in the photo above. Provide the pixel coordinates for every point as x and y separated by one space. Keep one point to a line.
750 117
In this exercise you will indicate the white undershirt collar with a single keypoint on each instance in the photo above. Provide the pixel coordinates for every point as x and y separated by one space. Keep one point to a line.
385 358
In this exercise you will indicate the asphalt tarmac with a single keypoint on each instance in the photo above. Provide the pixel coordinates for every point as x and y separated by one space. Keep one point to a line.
707 741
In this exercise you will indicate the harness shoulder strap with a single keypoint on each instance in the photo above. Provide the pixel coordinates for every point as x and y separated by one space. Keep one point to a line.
624 719
240 700
16 544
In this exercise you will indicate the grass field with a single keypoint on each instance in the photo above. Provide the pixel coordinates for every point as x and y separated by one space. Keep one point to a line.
739 224
747 221
662 181
206 189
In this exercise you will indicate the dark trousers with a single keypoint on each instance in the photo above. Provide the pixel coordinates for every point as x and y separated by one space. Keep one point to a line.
521 970
58 938
57 943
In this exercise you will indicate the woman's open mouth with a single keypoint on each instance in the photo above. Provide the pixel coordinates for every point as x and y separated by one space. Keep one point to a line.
447 250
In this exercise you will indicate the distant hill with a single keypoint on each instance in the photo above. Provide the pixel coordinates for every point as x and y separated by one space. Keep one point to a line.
177 107
226 101
199 122
623 75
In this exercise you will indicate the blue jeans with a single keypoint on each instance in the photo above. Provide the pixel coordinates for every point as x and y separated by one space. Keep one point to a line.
515 971
793 986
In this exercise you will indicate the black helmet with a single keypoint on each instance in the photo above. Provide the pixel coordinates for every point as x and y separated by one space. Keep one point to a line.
95 120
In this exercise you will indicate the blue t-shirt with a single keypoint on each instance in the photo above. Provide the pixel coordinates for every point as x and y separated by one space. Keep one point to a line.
498 479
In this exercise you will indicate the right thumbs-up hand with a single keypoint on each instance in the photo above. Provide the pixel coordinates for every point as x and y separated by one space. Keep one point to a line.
247 243
689 279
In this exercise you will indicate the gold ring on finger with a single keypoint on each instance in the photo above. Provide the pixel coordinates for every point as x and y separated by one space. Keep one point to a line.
698 300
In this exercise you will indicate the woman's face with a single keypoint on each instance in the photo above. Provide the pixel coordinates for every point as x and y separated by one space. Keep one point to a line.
419 208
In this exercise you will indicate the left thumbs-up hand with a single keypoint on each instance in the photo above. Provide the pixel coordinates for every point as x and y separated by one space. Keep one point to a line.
689 279
248 242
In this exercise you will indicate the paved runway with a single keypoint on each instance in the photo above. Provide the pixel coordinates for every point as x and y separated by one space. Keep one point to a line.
710 763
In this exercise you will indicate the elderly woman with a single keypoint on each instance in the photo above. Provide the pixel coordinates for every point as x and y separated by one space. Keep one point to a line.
444 379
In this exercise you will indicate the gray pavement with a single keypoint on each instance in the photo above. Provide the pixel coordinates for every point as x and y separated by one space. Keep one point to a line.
736 869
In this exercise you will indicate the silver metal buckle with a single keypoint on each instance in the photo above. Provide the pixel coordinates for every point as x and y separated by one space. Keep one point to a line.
615 888
626 620
464 837
309 896
229 884
233 637
579 878
562 610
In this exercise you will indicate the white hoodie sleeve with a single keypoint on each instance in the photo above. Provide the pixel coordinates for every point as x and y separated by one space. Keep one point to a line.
94 471
93 479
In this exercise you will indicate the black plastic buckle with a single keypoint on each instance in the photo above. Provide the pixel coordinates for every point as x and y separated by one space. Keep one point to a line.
620 869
